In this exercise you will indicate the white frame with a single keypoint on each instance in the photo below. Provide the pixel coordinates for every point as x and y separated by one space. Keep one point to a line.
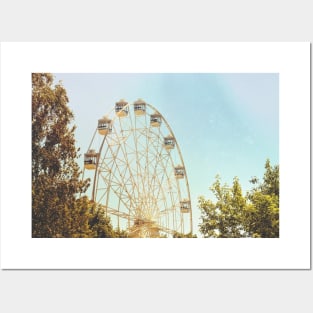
290 251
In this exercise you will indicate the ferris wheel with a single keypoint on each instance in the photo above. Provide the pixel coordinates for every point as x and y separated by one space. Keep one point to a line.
138 173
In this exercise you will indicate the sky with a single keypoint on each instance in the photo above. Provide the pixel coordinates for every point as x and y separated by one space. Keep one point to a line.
225 124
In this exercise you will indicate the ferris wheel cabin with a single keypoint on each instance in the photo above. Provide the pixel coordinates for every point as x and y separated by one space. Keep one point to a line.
169 142
179 172
155 120
139 107
104 126
90 160
185 206
121 108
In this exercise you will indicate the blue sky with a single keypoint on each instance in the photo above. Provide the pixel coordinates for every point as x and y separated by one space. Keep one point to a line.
226 124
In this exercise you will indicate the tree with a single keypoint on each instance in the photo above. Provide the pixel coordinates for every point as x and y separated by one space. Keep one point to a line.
99 223
77 219
262 215
223 219
234 215
181 235
55 174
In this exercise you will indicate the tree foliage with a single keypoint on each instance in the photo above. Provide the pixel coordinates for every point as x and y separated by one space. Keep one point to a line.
262 214
180 235
57 211
234 215
55 173
101 226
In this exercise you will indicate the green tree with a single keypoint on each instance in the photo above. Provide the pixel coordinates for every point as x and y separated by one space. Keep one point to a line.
77 221
233 215
100 224
223 218
262 215
55 173
180 235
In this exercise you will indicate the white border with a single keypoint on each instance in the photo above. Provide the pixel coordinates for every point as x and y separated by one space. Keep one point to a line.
290 251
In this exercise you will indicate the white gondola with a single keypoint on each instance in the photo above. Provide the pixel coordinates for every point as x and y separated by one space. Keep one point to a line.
139 107
155 120
179 172
169 142
104 126
90 160
121 108
185 206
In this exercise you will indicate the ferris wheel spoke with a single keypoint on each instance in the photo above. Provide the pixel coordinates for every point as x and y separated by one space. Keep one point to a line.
113 180
125 201
118 166
119 213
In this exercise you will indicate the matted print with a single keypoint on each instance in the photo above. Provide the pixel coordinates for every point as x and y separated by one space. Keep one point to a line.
177 159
